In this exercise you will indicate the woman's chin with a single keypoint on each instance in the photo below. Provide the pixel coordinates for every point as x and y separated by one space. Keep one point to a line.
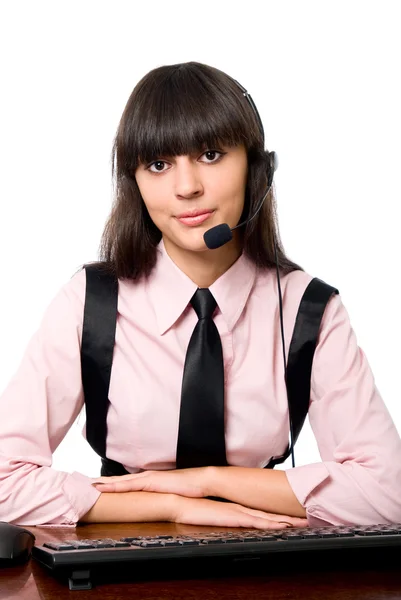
192 240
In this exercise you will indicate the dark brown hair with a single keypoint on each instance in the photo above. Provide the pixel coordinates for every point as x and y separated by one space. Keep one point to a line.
176 110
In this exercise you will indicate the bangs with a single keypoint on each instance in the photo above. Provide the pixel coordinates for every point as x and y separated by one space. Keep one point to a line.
181 110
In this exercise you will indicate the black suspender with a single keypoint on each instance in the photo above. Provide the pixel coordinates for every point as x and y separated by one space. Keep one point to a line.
300 355
98 336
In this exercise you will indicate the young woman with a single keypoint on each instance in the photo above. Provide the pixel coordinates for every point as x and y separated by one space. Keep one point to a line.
189 155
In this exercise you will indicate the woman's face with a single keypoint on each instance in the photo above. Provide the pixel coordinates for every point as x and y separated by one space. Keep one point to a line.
210 183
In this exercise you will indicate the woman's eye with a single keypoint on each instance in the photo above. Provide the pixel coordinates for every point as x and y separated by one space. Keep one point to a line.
158 166
212 155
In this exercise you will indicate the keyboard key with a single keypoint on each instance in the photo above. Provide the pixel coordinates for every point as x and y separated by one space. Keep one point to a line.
171 543
60 547
152 544
190 542
122 544
360 530
102 544
79 545
389 531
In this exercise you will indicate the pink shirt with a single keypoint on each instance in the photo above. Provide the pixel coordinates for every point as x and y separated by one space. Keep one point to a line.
359 478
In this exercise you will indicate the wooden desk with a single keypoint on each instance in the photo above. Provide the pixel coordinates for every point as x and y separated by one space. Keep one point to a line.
332 578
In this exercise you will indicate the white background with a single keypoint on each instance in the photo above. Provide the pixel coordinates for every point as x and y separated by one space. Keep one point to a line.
325 76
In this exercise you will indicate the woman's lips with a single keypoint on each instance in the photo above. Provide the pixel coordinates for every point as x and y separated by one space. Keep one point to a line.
192 221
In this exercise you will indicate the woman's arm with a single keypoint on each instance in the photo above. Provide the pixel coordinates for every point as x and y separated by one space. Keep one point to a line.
263 489
37 408
131 507
359 480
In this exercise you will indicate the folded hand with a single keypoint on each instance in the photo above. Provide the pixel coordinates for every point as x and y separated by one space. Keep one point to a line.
183 482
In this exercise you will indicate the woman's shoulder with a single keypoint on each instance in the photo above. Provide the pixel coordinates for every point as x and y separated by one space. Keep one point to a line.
68 301
296 281
292 284
74 288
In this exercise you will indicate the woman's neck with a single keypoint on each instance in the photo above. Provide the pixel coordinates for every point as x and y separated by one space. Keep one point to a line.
205 267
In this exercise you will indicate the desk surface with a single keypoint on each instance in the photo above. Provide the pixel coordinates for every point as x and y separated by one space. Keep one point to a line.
328 580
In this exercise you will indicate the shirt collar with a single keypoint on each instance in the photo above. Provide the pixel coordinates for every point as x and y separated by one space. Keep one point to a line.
170 290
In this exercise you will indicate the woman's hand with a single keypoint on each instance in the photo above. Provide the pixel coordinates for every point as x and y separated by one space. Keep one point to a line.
200 511
191 483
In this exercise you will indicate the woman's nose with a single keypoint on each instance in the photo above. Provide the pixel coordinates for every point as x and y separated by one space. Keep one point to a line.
187 181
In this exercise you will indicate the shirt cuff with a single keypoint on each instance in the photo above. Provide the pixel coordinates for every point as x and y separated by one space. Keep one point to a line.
304 480
81 496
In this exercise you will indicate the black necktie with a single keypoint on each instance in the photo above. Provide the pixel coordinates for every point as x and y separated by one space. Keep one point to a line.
201 439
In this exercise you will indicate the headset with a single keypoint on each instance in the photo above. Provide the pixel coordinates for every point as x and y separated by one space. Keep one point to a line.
221 234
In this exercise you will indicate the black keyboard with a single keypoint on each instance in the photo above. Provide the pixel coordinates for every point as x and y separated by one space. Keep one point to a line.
78 559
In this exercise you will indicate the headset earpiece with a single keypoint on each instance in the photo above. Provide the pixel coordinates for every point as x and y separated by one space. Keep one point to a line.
273 161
